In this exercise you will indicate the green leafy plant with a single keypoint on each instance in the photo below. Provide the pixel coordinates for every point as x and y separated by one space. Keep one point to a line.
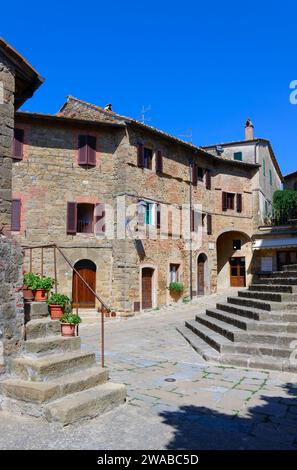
45 283
284 205
176 287
30 280
70 318
186 300
58 299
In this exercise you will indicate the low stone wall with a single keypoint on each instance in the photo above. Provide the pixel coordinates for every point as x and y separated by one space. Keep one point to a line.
11 303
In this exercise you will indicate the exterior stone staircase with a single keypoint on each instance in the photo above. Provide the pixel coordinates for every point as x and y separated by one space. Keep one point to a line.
54 379
256 329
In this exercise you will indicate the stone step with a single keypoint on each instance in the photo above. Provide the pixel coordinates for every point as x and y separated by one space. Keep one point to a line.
276 314
34 310
215 340
85 404
238 335
50 366
52 344
251 324
42 392
287 281
273 288
269 296
288 267
280 274
42 328
257 304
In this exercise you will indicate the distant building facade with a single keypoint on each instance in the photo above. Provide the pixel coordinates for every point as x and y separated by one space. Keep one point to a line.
290 181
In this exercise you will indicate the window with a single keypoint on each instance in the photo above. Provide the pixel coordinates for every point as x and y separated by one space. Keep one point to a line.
159 161
270 177
85 218
147 213
238 156
264 167
228 201
87 150
266 263
174 272
236 244
16 215
148 158
18 144
200 173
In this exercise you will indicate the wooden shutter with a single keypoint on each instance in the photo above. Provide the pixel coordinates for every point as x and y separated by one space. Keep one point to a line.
193 221
71 218
100 225
207 179
159 161
194 174
82 149
16 215
224 201
239 202
18 144
209 224
158 217
91 141
140 155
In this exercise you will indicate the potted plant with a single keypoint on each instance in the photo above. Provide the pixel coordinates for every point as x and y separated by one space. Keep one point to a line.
57 303
69 321
176 289
29 285
42 286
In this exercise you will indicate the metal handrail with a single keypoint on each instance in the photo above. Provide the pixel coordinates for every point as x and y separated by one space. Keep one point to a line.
56 247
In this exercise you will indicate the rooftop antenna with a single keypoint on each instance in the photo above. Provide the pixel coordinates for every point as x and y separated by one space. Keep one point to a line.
188 134
144 110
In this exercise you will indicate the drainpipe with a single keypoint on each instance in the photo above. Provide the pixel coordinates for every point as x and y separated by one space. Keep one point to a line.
191 249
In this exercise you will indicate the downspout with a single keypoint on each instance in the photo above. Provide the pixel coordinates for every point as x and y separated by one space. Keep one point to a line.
190 241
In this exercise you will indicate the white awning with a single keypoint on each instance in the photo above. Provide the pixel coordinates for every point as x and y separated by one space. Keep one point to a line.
266 244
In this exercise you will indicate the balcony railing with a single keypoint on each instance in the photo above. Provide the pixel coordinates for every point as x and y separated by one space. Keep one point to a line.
281 217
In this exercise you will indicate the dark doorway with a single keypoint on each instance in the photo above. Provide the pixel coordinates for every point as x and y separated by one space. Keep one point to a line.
237 272
82 297
286 257
147 287
201 277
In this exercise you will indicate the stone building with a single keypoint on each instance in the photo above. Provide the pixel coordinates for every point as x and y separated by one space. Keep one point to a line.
290 181
95 182
18 81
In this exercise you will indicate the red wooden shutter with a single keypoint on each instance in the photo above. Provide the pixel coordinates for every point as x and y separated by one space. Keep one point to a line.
224 201
16 215
159 161
91 141
71 218
140 155
194 174
18 144
100 219
209 224
207 179
239 202
82 150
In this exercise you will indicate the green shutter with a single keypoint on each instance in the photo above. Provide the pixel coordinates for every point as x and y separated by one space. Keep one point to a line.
147 214
238 156
264 168
270 176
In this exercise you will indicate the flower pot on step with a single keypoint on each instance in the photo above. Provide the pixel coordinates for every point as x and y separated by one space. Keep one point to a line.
28 294
40 295
68 329
56 311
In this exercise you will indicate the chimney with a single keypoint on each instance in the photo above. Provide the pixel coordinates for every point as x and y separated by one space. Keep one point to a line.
108 107
249 130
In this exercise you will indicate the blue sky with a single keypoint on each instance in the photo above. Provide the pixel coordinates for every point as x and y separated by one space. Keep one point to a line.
201 65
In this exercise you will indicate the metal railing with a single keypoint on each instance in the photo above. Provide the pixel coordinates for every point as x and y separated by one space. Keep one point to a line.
56 249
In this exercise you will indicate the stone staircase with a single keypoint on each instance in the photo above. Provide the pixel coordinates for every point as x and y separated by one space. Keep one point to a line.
54 379
256 329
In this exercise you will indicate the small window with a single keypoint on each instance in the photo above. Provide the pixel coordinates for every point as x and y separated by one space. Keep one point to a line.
238 156
174 272
236 244
230 200
148 158
200 173
85 218
147 213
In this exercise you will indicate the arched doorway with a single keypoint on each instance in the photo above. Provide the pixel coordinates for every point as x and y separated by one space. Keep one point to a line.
82 297
147 276
201 274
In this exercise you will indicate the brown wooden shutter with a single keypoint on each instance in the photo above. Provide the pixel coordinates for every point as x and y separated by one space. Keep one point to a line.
18 144
159 161
82 150
224 201
239 202
207 179
193 220
158 216
140 155
16 215
209 224
91 141
71 218
194 174
100 225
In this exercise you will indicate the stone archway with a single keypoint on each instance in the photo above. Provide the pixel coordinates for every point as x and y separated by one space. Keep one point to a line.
234 254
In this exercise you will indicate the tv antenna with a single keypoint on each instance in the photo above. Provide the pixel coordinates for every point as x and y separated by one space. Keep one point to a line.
143 112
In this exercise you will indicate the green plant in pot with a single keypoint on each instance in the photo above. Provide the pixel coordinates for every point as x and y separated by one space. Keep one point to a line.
42 286
57 303
176 289
29 282
69 321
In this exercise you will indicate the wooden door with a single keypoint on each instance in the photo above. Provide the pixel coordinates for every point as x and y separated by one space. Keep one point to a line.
201 277
81 295
237 272
147 287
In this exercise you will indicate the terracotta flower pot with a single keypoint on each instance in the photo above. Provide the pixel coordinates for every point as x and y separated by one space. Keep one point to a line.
28 294
40 295
113 314
68 329
56 311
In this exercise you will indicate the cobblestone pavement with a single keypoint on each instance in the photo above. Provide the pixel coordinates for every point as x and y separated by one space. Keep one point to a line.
201 406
